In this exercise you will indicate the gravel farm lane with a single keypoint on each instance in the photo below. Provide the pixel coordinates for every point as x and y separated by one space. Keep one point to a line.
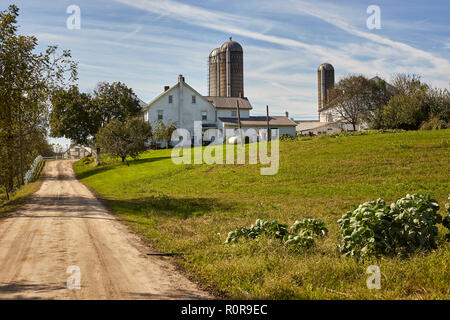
64 225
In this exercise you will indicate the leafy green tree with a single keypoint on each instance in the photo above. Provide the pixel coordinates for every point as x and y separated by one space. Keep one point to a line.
351 99
114 101
409 107
439 101
380 92
122 139
79 116
163 132
71 116
27 81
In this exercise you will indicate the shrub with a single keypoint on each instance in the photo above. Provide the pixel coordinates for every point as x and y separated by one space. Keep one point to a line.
287 137
375 228
87 160
316 227
261 227
434 124
301 235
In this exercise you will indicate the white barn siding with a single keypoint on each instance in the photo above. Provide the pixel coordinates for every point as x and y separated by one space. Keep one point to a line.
182 110
228 113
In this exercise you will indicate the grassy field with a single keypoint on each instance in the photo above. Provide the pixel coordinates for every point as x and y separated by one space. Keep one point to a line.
189 209
21 195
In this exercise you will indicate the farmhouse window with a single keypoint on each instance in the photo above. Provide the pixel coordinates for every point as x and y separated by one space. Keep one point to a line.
160 114
204 116
193 99
170 99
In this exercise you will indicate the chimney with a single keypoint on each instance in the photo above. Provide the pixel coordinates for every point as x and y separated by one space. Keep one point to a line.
241 95
180 78
287 114
166 88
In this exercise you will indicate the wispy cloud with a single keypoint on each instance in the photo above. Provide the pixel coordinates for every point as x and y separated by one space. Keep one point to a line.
244 26
321 12
148 47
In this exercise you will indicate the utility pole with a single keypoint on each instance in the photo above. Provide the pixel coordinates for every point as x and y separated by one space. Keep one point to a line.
239 121
267 120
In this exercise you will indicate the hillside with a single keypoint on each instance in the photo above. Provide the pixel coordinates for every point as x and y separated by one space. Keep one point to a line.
189 209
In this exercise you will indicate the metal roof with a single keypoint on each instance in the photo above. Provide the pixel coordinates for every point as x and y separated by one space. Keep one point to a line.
260 121
215 52
229 102
326 66
232 45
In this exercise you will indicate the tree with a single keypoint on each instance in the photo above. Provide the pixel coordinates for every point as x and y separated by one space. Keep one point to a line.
439 101
114 101
79 116
163 132
351 99
409 107
380 93
71 116
122 139
27 81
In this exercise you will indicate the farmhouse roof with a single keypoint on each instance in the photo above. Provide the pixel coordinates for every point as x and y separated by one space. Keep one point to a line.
180 79
229 102
260 121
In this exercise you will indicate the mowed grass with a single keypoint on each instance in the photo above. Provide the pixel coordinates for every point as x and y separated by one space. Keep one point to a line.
189 209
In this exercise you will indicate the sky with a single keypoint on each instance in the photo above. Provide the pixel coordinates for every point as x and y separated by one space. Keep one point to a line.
146 44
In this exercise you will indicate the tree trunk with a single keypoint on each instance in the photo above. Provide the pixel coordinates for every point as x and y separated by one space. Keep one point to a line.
123 159
20 149
354 126
7 193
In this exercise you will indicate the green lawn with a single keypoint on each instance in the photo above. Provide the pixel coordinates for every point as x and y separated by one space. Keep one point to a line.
190 209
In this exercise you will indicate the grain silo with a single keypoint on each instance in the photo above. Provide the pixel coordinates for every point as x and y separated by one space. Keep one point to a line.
226 70
325 77
213 75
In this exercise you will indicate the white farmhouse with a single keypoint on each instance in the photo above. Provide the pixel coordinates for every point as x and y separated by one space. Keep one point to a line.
183 105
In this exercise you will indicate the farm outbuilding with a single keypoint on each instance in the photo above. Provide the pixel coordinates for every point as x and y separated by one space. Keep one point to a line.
77 152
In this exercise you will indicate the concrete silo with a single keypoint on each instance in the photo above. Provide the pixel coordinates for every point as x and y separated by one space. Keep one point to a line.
226 70
325 77
213 78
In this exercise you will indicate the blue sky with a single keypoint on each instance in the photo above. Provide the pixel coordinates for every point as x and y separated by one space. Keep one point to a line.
146 43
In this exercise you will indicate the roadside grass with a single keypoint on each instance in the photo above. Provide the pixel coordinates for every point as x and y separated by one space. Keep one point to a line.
22 194
189 209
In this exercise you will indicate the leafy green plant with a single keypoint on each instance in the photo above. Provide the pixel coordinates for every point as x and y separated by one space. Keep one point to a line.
260 227
314 226
301 235
375 228
303 239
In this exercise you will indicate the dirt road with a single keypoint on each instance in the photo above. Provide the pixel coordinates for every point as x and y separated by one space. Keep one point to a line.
64 225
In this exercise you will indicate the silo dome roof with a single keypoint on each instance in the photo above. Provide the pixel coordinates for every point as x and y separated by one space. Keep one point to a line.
214 52
326 66
231 45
